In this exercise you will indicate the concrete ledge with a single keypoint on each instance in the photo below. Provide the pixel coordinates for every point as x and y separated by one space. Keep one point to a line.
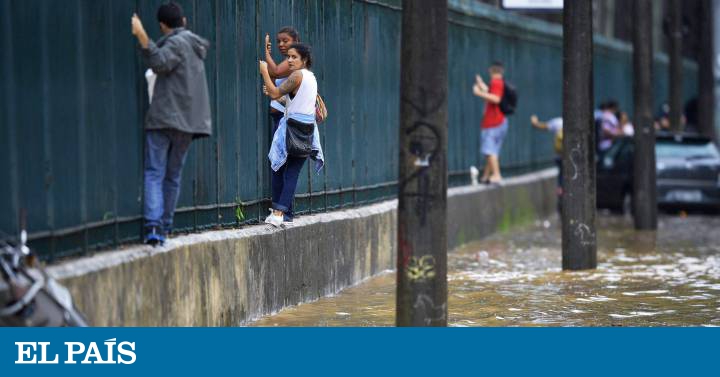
474 212
229 277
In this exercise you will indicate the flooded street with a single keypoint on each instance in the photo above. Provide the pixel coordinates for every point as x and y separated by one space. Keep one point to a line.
668 278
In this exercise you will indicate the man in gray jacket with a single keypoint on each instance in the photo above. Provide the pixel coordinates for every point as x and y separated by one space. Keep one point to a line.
179 112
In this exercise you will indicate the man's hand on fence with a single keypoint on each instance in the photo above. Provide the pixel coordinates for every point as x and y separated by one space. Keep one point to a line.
139 31
481 84
477 91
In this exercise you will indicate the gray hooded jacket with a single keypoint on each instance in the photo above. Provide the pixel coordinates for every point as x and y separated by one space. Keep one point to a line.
180 99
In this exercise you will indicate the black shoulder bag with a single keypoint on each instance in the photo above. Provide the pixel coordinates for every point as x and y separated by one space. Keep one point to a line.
299 138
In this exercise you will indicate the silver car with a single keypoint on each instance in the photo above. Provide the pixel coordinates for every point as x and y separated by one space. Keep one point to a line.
688 174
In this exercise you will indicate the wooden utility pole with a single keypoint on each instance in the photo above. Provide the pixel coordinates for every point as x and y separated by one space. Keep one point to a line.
706 77
675 34
644 190
578 199
422 196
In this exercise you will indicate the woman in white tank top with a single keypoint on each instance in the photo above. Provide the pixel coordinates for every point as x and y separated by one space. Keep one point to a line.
300 92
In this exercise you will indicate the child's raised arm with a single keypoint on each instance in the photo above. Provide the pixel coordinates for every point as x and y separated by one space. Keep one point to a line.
275 70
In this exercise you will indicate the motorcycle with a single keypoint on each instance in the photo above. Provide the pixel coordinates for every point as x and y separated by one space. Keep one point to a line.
29 297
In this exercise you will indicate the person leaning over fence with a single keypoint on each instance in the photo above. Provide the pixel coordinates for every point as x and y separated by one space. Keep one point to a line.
297 136
555 126
286 37
494 124
179 113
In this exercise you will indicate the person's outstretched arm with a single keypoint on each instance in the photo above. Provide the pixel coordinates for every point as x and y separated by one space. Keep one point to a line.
275 70
487 96
139 31
292 83
537 123
160 59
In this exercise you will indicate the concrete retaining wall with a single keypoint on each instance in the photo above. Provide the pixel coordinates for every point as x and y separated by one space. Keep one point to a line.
229 277
476 212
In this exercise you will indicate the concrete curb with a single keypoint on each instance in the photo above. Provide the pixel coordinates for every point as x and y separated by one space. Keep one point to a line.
230 277
109 259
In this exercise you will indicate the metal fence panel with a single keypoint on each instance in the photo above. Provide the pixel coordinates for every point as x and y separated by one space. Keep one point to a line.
74 97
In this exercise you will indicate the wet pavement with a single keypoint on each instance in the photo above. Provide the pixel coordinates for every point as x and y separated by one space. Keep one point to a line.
666 278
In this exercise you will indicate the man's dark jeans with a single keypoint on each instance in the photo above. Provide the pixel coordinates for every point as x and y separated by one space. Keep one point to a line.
165 153
284 182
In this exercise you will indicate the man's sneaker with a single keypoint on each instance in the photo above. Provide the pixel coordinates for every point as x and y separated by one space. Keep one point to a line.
154 236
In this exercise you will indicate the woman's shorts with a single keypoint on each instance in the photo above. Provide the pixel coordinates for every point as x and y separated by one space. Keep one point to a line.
492 139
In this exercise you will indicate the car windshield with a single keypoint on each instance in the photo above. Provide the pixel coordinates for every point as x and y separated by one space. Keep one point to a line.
687 150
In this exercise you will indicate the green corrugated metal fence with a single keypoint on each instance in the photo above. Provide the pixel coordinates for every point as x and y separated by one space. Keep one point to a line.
73 99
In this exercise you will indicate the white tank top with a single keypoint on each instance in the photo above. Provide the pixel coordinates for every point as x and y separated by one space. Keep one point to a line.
304 101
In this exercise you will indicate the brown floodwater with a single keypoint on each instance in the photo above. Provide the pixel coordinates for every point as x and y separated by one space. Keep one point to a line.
666 278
